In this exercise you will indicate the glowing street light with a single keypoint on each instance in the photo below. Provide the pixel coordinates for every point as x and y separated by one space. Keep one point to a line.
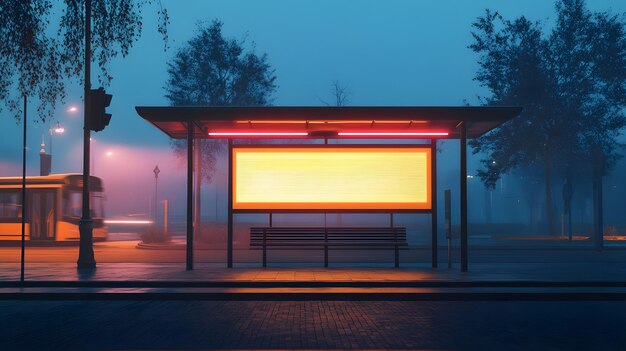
59 128
72 109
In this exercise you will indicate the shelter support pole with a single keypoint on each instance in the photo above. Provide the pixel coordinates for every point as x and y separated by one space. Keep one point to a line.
230 204
463 142
433 213
189 195
23 238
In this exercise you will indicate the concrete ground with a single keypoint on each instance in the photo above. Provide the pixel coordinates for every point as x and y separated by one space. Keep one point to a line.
176 272
484 265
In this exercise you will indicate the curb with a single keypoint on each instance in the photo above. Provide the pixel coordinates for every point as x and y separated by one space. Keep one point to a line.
315 296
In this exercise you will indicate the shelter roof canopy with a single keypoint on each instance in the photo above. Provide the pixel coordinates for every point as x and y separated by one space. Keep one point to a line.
363 121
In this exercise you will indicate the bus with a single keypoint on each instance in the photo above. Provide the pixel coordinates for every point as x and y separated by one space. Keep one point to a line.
53 207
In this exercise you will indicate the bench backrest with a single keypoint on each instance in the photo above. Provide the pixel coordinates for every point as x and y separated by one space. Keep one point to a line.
332 235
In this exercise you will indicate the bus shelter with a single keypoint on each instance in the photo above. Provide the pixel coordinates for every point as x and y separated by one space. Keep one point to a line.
322 177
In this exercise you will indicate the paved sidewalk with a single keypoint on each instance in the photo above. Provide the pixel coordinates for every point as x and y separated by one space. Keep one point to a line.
550 272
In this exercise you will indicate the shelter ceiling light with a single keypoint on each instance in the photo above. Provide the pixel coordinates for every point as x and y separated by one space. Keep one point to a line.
365 121
392 134
257 134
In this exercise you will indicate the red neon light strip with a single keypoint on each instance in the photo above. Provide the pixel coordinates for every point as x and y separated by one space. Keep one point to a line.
365 134
226 134
125 221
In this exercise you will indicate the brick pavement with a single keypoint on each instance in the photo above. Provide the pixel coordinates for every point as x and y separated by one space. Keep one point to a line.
313 325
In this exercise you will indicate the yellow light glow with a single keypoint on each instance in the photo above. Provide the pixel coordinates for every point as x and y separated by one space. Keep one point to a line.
329 178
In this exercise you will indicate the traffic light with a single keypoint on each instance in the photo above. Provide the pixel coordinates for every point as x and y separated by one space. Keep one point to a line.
99 101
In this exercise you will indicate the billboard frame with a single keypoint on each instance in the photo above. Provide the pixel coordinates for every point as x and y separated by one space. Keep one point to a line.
231 186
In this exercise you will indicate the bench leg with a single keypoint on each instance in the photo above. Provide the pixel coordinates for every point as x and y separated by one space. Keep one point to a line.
264 257
397 257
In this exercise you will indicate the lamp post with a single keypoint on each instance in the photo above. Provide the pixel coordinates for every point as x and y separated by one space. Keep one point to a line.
156 172
86 258
58 129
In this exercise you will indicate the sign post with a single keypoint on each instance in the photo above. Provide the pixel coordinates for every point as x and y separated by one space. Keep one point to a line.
448 220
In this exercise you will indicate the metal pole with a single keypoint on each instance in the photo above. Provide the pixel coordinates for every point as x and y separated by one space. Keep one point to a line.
463 197
433 213
448 221
166 214
50 132
230 204
156 189
86 259
23 196
598 225
189 195
325 223
395 239
569 223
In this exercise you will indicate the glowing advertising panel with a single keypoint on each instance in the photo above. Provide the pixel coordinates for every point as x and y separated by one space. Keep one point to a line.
331 178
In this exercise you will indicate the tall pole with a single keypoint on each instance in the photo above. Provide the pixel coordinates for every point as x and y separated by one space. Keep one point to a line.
23 195
86 259
434 210
189 195
50 132
229 255
156 192
156 187
598 225
463 197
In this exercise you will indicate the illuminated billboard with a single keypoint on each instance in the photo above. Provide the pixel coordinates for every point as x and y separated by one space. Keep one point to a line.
331 178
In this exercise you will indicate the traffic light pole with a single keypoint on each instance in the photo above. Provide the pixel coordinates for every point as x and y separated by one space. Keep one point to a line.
86 259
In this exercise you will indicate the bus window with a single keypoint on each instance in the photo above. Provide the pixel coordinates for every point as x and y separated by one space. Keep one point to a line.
10 205
74 204
97 205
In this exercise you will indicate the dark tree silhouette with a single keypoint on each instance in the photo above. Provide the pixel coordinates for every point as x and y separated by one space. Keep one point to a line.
216 71
340 94
37 59
571 84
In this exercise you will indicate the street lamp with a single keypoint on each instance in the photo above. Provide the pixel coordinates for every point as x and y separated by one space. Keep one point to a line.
156 171
58 129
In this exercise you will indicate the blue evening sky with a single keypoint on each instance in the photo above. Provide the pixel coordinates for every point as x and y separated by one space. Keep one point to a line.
386 52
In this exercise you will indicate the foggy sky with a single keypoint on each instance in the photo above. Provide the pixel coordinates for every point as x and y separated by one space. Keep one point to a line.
387 52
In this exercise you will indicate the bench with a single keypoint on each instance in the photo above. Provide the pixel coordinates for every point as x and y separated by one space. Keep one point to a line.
328 238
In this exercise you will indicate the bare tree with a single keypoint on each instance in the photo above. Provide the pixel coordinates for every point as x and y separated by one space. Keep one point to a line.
340 93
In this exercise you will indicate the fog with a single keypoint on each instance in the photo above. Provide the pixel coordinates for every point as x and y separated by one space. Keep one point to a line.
387 53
